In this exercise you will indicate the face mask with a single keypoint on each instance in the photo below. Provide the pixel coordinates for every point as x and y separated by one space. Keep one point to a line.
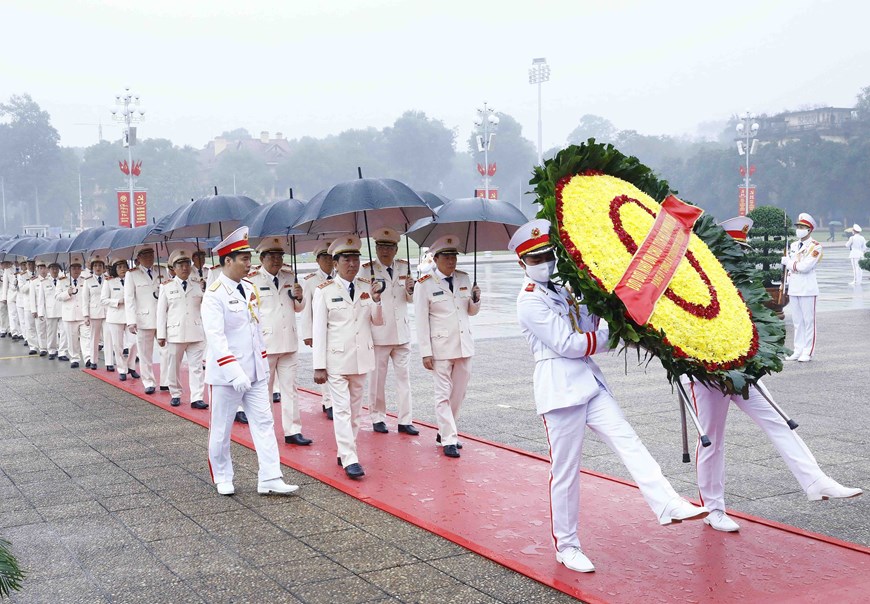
541 272
801 233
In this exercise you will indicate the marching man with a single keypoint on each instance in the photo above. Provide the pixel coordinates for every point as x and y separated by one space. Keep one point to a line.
237 370
392 339
4 309
803 289
179 329
50 309
280 300
140 304
92 307
325 272
69 293
35 297
571 394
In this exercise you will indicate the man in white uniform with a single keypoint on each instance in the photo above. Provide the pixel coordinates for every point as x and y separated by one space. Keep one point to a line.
280 299
50 309
237 370
344 310
11 283
803 289
140 303
179 329
444 299
4 309
392 339
69 293
22 301
571 395
857 247
93 308
325 271
35 297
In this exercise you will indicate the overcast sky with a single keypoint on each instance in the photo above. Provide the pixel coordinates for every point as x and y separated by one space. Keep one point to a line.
317 68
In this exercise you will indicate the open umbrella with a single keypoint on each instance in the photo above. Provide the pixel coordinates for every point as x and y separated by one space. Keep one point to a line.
212 216
24 248
84 241
56 251
480 224
433 200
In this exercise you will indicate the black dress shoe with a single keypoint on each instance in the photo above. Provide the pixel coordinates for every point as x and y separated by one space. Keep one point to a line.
329 414
149 390
408 429
122 377
324 408
110 368
133 374
101 346
199 405
451 451
63 357
164 388
43 353
276 397
380 427
241 417
74 365
126 352
339 461
297 439
52 356
87 364
354 471
94 366
175 402
438 440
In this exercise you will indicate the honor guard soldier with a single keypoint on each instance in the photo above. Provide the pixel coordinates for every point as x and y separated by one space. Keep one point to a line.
444 299
4 308
69 293
140 303
280 299
112 297
392 339
38 317
93 309
50 309
571 395
803 289
22 301
325 272
179 329
237 370
344 310
11 280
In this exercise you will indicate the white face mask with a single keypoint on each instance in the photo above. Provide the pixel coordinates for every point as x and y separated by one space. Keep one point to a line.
801 233
541 272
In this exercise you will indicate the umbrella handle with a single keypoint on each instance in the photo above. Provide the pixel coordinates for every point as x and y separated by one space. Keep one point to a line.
408 252
475 252
368 241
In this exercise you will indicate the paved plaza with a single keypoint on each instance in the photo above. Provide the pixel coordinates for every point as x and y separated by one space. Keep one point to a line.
107 498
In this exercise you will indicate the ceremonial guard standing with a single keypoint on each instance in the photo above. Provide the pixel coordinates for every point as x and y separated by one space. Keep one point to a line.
140 303
39 318
857 247
22 301
392 339
803 289
112 297
4 308
344 310
179 329
571 395
444 299
325 271
69 293
280 299
49 308
11 280
237 370
93 308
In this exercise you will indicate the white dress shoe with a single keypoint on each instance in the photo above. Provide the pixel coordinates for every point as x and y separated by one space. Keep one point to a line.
828 488
793 356
805 358
276 486
679 509
720 521
575 560
225 488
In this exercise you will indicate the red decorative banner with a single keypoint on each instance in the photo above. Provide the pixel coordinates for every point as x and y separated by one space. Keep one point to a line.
745 206
124 208
656 260
140 208
493 193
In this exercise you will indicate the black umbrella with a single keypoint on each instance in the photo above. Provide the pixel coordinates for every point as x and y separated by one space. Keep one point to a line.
25 247
480 224
433 200
84 241
56 252
207 217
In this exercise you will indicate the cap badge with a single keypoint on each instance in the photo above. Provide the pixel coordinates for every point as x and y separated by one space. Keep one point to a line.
349 241
535 232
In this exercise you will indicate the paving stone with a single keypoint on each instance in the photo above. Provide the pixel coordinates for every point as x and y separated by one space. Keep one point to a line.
313 569
350 590
451 594
376 557
410 578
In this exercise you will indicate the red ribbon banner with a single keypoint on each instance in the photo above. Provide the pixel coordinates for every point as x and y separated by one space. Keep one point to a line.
656 260
123 209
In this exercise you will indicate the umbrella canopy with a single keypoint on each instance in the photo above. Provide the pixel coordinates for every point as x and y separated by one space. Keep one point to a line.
212 216
276 218
24 248
127 243
359 206
56 251
433 200
495 221
83 242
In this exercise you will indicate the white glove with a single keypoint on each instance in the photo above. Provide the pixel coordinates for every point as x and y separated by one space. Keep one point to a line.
785 261
603 326
241 384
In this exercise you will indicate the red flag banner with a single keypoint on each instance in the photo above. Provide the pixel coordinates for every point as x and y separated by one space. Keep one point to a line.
656 260
140 208
124 208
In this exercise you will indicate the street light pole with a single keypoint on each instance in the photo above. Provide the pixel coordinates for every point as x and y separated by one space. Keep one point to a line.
747 128
539 73
486 122
128 113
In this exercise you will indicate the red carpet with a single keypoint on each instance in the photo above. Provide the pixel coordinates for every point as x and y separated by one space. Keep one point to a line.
494 501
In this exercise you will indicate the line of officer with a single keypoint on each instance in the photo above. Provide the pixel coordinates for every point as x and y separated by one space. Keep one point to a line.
93 309
10 284
140 303
112 297
69 293
325 272
39 318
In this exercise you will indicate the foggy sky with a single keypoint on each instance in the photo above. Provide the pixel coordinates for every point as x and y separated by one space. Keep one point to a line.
317 68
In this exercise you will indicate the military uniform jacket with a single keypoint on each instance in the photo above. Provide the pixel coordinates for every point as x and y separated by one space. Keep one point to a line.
47 303
309 285
3 283
23 299
342 328
140 297
71 304
803 258
112 298
92 304
277 310
35 287
179 312
562 336
443 328
231 323
394 300
11 285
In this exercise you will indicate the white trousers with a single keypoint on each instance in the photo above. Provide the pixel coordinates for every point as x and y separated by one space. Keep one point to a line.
195 372
712 409
857 271
163 355
282 369
4 317
451 382
347 400
76 339
803 317
12 313
145 343
565 431
97 336
52 326
24 325
401 356
257 406
41 334
114 346
63 340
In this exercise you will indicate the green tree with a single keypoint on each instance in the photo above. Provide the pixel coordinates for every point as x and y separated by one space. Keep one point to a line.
420 150
593 126
243 172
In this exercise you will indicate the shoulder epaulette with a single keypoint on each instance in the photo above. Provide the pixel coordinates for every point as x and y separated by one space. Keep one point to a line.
252 273
308 276
423 278
364 280
108 277
459 272
286 269
166 282
367 264
214 286
61 278
400 261
530 287
325 283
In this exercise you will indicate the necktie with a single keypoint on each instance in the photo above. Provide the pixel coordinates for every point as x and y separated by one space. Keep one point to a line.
275 281
75 282
350 289
449 283
200 271
149 274
122 281
241 290
329 277
390 271
55 282
552 287
100 279
184 285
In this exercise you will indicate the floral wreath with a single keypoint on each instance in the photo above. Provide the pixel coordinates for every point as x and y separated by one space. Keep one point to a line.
710 323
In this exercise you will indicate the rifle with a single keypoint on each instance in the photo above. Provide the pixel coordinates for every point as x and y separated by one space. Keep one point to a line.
782 286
